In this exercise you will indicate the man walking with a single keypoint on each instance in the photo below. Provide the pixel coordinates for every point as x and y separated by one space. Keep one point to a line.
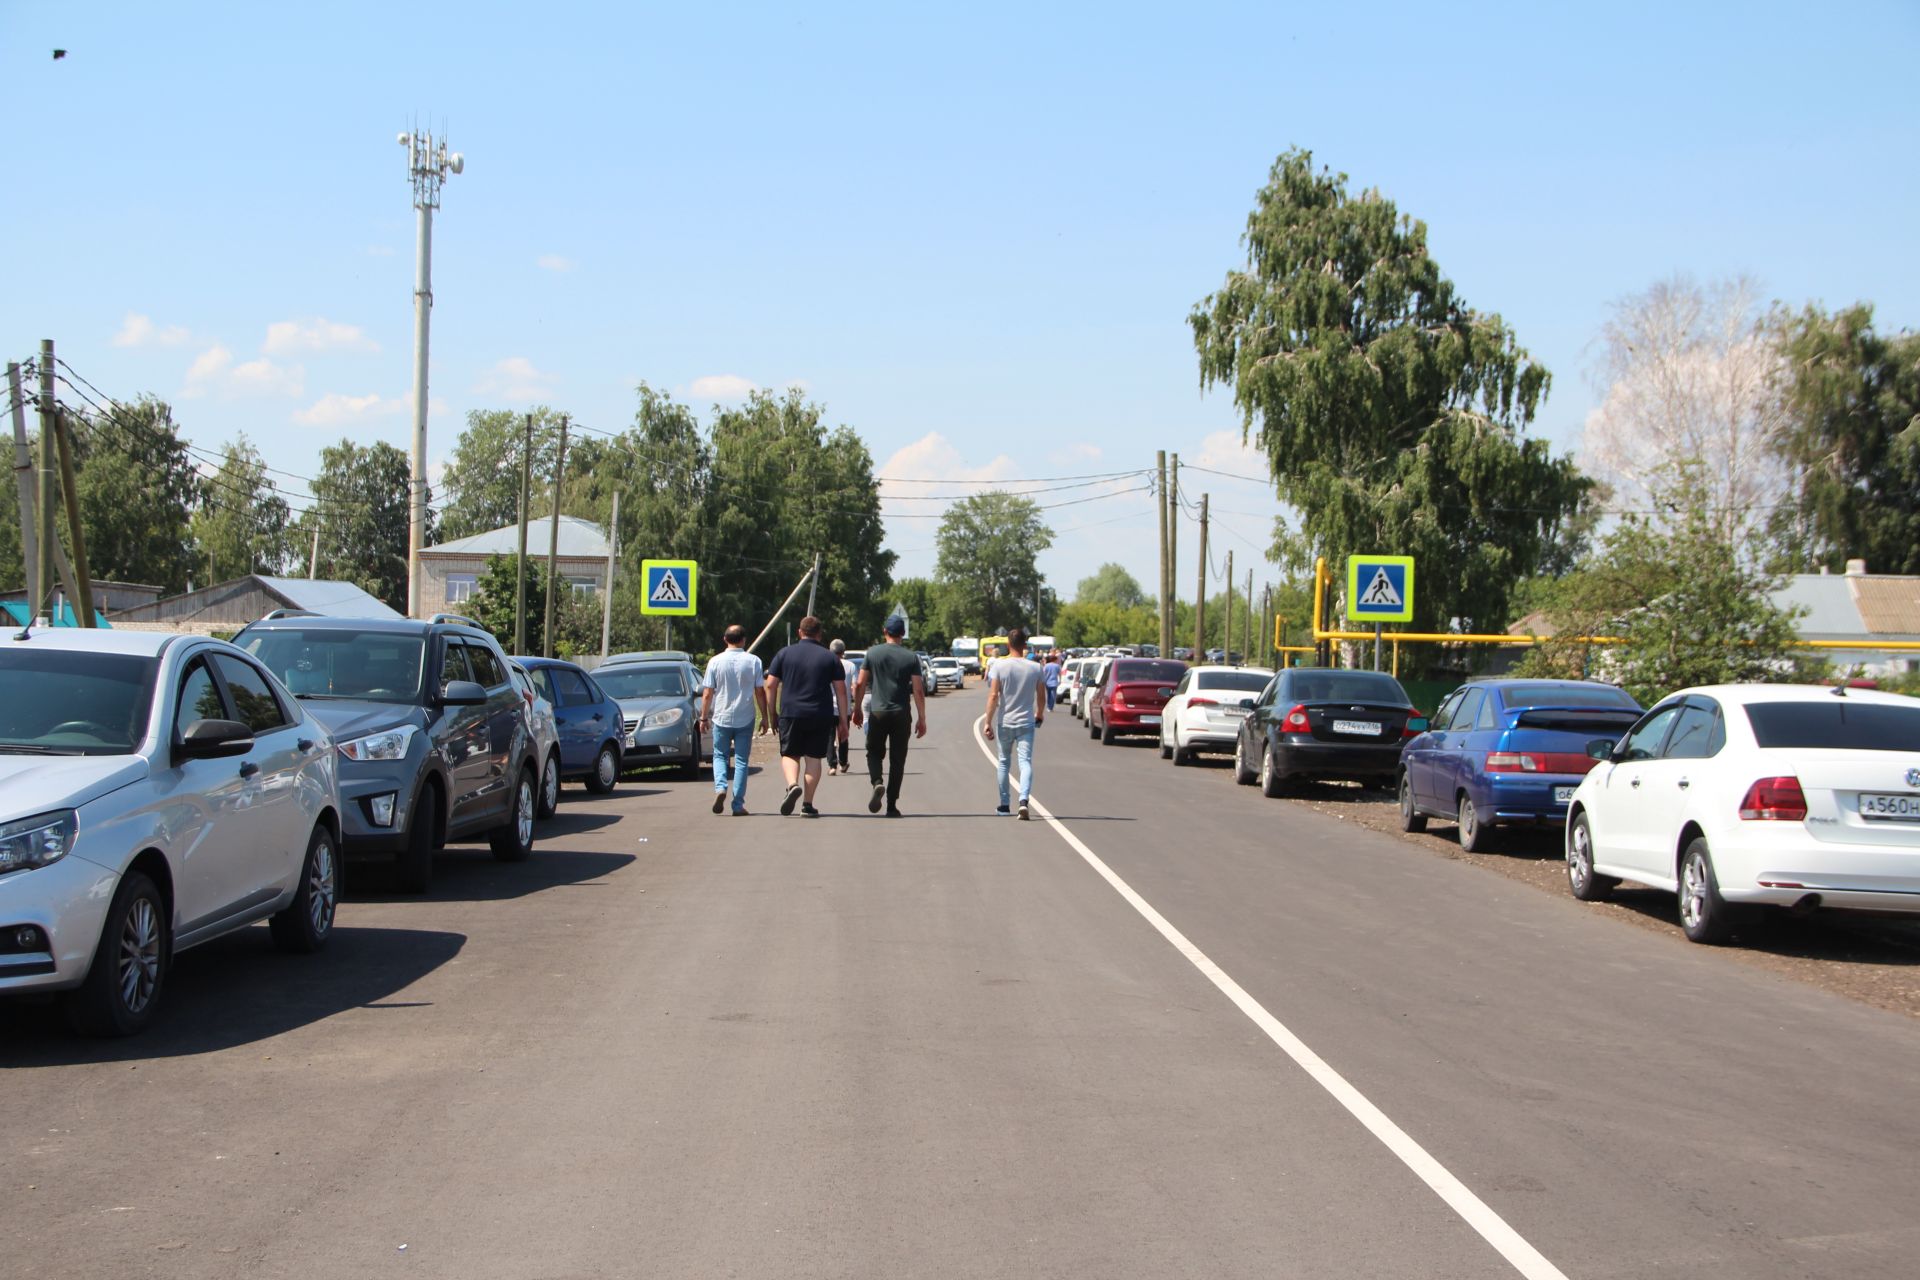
892 673
731 697
1016 706
1052 672
807 686
838 761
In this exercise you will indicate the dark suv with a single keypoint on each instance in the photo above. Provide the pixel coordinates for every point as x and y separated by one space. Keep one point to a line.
431 735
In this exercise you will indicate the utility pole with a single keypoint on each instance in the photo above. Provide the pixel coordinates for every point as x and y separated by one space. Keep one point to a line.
1226 647
48 537
23 481
428 164
553 535
520 560
1171 592
1247 639
1166 629
1200 602
813 590
313 562
82 579
606 607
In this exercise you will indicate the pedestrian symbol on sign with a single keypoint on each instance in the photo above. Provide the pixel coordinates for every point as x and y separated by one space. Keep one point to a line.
671 587
667 589
1381 592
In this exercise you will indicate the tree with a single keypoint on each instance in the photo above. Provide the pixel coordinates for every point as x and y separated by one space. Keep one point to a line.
1111 584
1693 381
136 486
1852 436
1391 413
920 599
988 544
483 479
242 523
1098 622
576 615
361 511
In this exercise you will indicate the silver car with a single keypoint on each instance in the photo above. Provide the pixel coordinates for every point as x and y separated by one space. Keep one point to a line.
156 791
659 697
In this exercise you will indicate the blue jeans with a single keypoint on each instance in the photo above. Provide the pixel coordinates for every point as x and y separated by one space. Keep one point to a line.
1015 744
736 743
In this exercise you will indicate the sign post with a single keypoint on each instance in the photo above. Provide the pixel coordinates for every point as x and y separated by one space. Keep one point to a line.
1379 590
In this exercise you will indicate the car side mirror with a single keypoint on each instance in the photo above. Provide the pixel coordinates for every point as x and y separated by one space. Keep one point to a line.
1602 748
1247 701
462 693
214 740
1416 724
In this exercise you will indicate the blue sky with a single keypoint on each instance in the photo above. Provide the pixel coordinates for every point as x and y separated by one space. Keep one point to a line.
973 234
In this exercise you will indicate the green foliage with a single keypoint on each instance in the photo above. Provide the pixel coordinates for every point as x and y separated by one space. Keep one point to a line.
361 514
1098 622
242 525
1853 440
576 621
1112 584
989 543
922 601
1391 412
482 481
136 486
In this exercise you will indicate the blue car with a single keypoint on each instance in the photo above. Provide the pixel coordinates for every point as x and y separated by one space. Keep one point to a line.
587 720
1503 752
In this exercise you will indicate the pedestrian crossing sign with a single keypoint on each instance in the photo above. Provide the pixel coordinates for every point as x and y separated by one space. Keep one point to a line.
669 586
1380 588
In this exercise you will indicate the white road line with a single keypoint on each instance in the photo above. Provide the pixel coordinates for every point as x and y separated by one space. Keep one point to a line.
1512 1246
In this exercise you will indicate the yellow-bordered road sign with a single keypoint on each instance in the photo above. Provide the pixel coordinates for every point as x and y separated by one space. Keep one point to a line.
1380 588
671 587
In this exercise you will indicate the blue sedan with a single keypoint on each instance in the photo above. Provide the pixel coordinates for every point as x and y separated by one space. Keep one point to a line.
587 720
1503 752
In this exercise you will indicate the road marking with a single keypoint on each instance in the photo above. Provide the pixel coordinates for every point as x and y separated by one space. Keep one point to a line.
1474 1211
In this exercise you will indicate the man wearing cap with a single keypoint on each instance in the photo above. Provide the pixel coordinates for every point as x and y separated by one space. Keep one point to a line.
892 673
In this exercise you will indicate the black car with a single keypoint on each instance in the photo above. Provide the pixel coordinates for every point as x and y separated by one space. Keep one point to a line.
1324 723
431 734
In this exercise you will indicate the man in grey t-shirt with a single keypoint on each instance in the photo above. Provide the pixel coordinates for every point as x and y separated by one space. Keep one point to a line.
731 700
1016 706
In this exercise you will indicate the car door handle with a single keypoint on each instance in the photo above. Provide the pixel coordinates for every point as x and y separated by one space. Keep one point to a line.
248 768
1684 784
1634 782
305 744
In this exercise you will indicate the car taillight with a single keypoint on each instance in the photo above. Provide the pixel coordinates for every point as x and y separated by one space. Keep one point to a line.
1119 698
1538 762
1197 701
1296 721
1775 800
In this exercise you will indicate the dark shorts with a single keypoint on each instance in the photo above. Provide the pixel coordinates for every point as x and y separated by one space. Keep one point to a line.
807 737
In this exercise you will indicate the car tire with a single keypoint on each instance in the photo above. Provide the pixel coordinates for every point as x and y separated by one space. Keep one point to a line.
1093 730
513 842
1107 735
1705 916
415 870
1242 772
1475 836
305 924
1272 785
1583 881
1182 756
690 767
130 965
606 771
1166 751
1411 819
549 803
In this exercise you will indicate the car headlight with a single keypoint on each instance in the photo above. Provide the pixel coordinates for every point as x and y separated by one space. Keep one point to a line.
661 719
388 744
37 841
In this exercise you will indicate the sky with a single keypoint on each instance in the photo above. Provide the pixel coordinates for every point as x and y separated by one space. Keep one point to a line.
972 233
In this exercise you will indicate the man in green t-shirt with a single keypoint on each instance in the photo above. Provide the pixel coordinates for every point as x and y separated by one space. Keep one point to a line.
892 673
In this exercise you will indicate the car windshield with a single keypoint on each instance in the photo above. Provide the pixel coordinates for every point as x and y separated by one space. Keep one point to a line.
62 702
1335 686
1547 694
1237 681
1145 671
1844 724
370 666
642 681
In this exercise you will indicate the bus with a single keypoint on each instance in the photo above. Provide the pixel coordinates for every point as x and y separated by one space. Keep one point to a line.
967 649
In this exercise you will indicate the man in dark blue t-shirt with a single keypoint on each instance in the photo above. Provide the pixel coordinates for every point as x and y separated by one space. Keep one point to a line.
807 686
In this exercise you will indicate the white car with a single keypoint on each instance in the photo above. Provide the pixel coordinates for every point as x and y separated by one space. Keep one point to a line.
156 791
1069 681
1087 681
1206 709
1741 796
948 672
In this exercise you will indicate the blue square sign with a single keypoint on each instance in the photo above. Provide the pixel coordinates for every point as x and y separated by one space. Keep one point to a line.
1380 588
669 587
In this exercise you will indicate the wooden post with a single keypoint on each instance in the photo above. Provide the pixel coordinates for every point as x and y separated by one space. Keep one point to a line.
23 481
520 559
553 534
48 538
82 578
1226 645
1166 619
1200 602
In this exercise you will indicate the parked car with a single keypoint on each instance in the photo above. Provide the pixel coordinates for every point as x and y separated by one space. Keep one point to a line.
1088 682
1130 697
156 792
949 672
1737 797
659 697
433 737
1206 709
1504 752
928 680
546 741
591 726
1326 724
1069 681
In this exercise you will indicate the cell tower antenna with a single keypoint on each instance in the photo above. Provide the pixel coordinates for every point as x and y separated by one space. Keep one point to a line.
428 164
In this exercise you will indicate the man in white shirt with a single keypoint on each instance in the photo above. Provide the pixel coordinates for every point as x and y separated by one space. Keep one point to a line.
731 696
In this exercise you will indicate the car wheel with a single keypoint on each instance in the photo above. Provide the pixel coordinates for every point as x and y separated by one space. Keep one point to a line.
1242 772
514 841
1107 735
1182 756
307 922
1093 730
606 771
1411 819
1166 751
423 838
1704 914
690 767
1586 884
1271 784
130 965
1475 835
550 787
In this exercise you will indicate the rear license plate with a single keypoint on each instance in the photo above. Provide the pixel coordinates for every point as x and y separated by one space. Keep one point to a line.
1149 719
1371 728
1883 808
1563 795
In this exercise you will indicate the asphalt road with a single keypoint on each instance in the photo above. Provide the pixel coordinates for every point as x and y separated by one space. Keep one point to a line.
675 1044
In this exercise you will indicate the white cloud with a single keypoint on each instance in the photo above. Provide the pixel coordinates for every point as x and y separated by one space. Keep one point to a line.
720 386
553 262
516 378
336 408
208 367
140 331
315 334
214 370
1082 453
1227 451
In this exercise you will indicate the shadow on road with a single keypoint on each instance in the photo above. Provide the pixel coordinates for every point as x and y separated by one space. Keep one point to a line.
237 990
1846 939
469 873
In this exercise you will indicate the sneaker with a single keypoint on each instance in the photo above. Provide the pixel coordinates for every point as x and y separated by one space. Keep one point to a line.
793 798
1023 812
808 811
740 811
719 801
894 813
879 797
1002 811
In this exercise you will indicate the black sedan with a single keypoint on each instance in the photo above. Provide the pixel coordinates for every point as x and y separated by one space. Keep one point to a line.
1322 723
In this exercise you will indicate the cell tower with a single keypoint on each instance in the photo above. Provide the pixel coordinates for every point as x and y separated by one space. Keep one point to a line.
428 164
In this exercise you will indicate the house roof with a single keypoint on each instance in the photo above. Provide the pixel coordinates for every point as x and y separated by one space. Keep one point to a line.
579 539
329 599
1889 605
1825 603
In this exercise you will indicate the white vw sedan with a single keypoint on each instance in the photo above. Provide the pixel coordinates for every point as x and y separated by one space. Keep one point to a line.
1742 796
156 791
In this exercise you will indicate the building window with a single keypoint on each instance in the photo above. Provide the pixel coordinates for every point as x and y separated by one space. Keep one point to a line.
461 586
585 586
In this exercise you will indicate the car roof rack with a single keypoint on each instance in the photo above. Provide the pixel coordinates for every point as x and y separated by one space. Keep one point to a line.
654 655
271 614
460 619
